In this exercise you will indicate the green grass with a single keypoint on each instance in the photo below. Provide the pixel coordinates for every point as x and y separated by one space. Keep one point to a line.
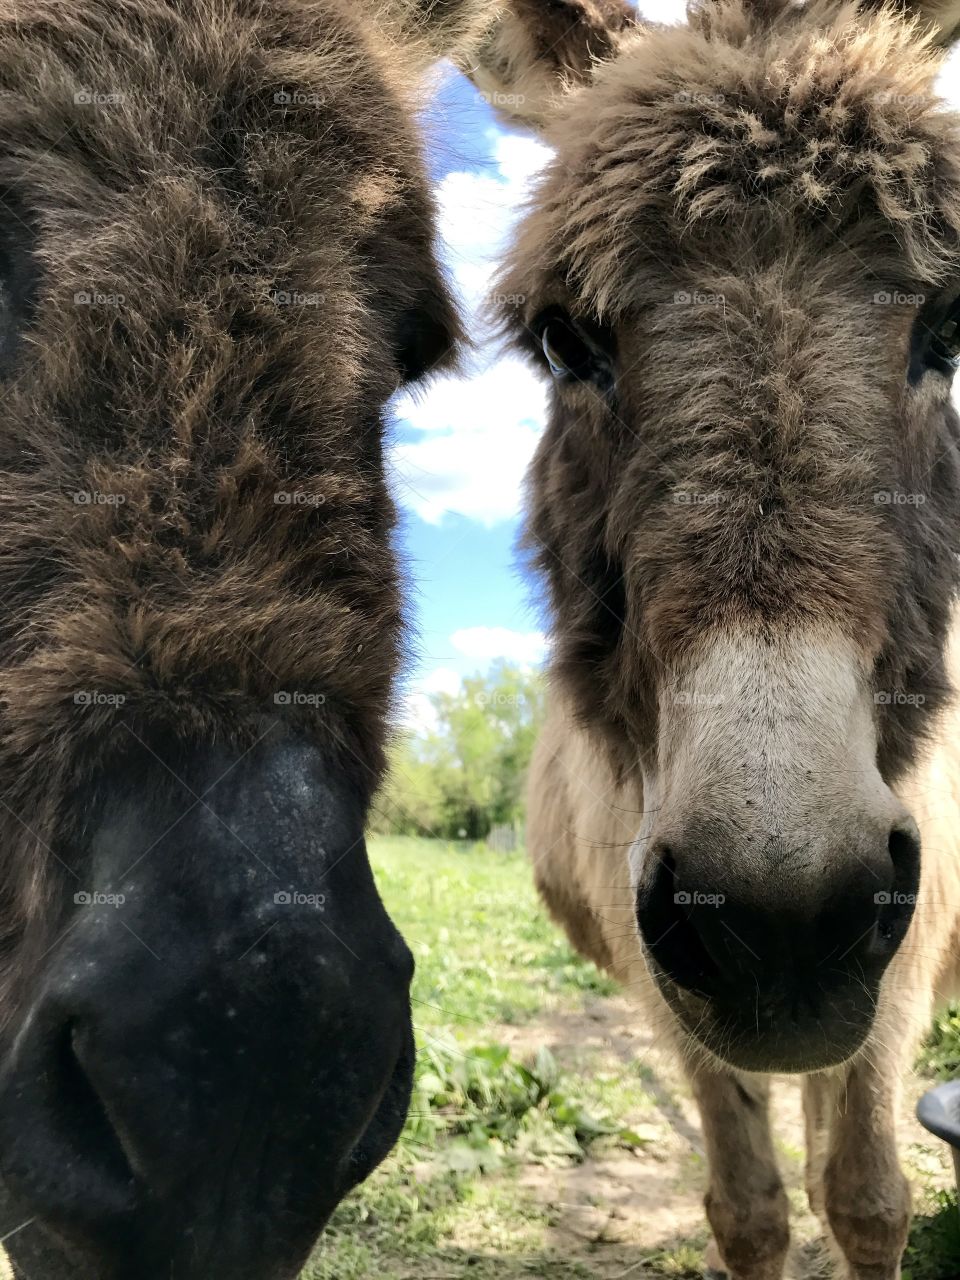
940 1054
486 954
933 1251
484 948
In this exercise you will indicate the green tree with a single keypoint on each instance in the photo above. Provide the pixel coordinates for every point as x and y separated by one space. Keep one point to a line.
468 773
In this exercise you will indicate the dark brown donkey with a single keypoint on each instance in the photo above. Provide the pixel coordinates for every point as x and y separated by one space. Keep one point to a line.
743 271
216 266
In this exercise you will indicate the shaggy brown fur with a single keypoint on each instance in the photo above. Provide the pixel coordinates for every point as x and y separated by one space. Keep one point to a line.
195 518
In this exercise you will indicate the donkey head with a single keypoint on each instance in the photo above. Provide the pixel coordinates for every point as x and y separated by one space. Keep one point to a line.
743 273
216 267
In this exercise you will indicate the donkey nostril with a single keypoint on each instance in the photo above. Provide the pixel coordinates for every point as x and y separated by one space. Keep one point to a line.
895 907
671 937
86 1103
903 846
58 1147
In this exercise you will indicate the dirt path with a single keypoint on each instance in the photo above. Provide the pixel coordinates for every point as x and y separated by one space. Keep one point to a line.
625 1214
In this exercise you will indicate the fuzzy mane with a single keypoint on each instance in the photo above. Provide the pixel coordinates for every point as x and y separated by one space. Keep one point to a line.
692 127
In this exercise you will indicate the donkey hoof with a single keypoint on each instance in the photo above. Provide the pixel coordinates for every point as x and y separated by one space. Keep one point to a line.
714 1267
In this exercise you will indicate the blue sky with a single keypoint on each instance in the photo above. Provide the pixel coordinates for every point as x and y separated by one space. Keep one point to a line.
460 449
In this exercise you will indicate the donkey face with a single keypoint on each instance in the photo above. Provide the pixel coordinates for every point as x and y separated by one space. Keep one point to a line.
216 268
743 274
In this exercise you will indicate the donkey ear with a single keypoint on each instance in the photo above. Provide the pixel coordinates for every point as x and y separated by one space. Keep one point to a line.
537 48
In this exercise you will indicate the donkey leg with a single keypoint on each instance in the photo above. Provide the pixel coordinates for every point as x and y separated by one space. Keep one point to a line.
819 1106
746 1203
867 1196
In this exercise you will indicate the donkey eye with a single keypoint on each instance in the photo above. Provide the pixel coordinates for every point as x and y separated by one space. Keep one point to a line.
573 354
945 344
567 355
936 343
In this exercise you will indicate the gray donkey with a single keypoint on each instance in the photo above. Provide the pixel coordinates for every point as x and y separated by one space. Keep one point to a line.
742 272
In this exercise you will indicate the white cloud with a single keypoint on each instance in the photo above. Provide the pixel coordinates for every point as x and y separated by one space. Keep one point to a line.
478 431
418 714
478 437
663 10
417 711
949 80
487 643
477 212
441 680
